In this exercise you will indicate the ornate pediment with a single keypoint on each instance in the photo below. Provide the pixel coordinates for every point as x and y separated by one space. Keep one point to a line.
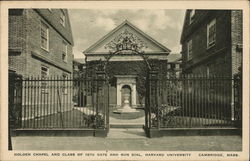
126 38
126 41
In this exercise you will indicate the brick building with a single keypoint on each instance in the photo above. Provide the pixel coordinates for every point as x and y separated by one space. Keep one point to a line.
212 42
211 47
40 42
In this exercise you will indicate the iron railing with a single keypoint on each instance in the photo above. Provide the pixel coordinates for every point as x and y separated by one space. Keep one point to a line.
194 101
186 102
56 102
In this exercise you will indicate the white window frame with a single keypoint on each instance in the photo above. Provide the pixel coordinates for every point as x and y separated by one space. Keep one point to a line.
62 18
209 26
208 71
64 51
44 83
47 36
192 13
190 50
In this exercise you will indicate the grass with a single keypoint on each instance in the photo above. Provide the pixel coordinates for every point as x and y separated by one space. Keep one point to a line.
68 119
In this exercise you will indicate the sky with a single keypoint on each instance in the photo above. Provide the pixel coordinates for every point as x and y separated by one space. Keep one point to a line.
89 25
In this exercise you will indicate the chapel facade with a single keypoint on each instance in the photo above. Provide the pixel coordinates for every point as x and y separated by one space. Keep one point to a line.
127 54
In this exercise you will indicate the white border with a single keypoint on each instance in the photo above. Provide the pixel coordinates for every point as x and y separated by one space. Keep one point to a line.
8 155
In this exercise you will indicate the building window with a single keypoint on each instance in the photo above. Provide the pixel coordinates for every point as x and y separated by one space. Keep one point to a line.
189 50
64 51
191 16
211 33
207 71
173 66
44 75
62 18
16 12
64 87
44 36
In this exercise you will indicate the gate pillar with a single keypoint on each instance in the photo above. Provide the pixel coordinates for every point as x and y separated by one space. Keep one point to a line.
151 108
153 95
102 100
15 99
15 104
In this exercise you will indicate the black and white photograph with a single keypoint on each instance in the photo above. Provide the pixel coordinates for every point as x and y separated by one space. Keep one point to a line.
125 83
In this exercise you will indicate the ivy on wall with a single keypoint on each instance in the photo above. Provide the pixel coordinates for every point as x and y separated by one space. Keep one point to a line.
138 68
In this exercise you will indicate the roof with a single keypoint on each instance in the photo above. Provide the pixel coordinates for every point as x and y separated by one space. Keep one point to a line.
126 22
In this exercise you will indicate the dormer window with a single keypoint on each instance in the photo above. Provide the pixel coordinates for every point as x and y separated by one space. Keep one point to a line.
62 18
191 16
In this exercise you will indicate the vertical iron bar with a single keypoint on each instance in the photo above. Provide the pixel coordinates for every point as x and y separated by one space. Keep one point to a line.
31 102
199 101
34 106
182 100
28 104
203 101
195 99
220 101
54 103
50 102
24 103
206 100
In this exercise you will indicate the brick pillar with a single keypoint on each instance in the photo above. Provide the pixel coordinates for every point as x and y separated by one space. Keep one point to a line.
153 96
15 103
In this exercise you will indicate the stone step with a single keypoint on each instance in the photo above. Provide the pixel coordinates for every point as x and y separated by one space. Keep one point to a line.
126 125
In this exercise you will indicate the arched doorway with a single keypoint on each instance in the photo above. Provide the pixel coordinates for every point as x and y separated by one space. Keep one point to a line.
126 95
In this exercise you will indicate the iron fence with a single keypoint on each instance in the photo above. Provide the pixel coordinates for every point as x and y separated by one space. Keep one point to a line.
56 102
194 101
190 101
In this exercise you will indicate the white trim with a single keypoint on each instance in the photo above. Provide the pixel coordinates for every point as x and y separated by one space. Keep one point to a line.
42 23
212 43
191 15
63 18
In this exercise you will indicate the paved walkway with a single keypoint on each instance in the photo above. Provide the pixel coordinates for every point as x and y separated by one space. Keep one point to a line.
126 133
129 140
